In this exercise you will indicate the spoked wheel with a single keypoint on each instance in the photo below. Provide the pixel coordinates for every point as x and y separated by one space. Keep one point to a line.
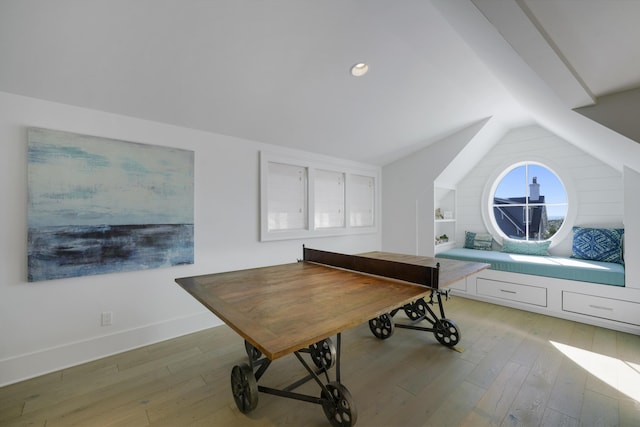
253 353
446 332
244 388
323 353
382 326
416 309
339 407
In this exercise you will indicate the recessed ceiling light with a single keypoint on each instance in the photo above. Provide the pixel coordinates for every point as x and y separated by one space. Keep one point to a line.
360 69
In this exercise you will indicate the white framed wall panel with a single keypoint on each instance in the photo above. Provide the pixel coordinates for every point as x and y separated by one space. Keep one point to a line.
340 199
362 200
330 197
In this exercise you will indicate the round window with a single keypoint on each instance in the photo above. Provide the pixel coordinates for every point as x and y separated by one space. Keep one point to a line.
528 202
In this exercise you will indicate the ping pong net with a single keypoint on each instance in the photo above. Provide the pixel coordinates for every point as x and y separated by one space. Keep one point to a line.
419 274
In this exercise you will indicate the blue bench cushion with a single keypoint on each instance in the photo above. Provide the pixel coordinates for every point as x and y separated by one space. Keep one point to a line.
606 273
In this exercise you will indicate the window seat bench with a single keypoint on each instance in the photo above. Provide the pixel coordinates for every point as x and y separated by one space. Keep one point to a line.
584 291
605 273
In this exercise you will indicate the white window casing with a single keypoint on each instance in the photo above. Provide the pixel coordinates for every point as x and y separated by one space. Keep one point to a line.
495 179
287 202
302 198
329 199
363 194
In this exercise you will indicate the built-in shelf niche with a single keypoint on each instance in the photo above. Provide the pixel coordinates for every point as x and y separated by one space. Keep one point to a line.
444 218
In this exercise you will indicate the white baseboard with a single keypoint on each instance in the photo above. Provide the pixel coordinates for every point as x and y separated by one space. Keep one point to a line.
25 366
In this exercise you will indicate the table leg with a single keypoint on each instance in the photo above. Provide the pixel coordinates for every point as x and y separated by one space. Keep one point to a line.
335 399
444 330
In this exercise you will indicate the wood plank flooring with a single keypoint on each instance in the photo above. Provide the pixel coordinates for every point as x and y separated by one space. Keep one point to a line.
511 370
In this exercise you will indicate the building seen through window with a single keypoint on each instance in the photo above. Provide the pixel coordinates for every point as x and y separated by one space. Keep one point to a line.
529 203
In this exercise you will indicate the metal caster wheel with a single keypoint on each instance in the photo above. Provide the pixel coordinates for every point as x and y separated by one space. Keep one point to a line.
244 388
416 309
339 407
323 353
446 332
382 326
253 353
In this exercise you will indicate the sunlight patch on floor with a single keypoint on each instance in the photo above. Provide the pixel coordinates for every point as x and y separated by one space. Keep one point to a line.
621 375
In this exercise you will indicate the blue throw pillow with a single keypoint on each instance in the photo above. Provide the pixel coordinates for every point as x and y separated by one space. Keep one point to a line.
598 244
524 247
468 239
481 241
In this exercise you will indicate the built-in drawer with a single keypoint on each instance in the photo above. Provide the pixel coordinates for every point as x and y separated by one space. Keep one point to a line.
512 291
604 308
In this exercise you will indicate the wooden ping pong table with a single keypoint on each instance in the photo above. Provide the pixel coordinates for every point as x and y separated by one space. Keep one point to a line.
297 308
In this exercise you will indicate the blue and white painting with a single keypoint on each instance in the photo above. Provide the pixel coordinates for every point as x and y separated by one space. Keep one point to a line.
99 205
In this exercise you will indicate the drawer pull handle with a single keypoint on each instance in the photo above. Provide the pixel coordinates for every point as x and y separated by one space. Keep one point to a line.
507 291
599 307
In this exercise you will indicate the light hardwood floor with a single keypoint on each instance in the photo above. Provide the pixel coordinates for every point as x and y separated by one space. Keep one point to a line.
507 372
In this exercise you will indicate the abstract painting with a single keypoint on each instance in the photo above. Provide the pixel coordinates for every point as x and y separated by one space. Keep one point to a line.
99 205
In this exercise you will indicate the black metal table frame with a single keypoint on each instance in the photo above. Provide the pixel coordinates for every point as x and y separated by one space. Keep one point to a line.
334 398
445 330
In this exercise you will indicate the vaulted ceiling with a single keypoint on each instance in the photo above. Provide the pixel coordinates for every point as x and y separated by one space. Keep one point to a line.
278 71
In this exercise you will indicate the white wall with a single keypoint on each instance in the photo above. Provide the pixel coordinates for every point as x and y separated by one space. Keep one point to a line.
597 187
631 227
407 193
45 326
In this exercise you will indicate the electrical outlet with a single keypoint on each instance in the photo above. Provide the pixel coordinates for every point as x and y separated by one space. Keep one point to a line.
106 318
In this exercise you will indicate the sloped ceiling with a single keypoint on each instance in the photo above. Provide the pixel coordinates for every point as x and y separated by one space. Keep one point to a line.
587 52
596 39
277 71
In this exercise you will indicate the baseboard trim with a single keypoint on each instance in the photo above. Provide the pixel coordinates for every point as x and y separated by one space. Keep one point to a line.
30 365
